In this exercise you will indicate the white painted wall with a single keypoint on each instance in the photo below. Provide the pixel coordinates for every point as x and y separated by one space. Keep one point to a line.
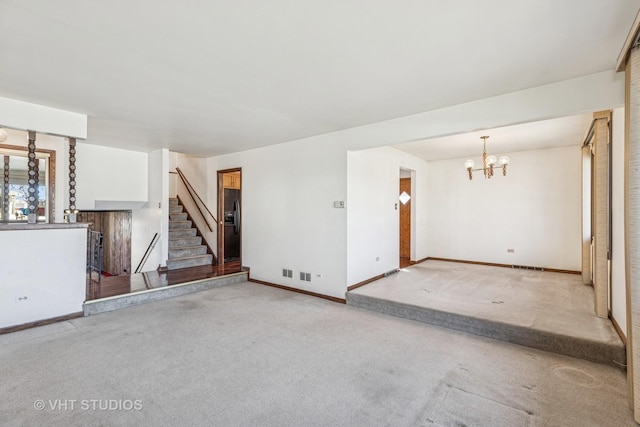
114 179
288 218
289 189
173 178
53 280
109 175
618 287
535 209
153 216
372 218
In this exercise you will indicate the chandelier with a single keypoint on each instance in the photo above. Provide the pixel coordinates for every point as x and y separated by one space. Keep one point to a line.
488 163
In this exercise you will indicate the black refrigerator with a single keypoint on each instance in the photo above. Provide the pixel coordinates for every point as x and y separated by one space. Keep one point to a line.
231 224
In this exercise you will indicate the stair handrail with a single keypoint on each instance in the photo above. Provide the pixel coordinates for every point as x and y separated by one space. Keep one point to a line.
191 192
147 252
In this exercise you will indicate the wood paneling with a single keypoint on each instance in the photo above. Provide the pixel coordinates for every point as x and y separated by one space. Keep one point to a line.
405 220
115 227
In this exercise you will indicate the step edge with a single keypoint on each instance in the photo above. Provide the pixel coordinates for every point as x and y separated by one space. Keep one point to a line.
352 299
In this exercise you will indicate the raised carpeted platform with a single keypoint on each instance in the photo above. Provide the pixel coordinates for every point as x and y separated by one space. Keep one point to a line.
543 310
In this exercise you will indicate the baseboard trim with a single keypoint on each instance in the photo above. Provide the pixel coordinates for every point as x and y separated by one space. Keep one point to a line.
618 330
493 264
300 291
16 328
365 282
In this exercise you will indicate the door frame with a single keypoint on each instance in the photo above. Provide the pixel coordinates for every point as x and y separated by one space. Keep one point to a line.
220 229
412 212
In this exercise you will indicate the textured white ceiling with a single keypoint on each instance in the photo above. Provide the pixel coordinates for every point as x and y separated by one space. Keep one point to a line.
215 77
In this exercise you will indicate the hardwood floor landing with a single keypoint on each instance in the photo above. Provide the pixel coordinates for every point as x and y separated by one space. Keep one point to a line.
120 285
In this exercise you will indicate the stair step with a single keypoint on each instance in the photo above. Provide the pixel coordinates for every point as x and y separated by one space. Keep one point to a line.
185 241
188 232
182 216
127 300
179 225
173 201
175 209
529 336
191 261
187 251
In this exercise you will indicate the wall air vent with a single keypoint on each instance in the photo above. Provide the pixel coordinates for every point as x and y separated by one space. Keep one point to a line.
305 276
390 272
527 267
287 273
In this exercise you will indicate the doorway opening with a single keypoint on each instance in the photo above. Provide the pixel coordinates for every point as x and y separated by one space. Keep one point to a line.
229 214
405 196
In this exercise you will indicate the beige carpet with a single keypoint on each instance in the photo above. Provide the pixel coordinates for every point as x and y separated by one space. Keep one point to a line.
251 355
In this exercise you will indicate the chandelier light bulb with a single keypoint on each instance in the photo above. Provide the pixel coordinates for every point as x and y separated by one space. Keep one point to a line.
488 162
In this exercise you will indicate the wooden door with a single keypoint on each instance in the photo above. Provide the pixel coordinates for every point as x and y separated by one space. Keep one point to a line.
405 221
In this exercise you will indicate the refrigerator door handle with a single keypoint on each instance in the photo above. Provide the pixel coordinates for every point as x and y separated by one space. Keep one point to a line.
236 217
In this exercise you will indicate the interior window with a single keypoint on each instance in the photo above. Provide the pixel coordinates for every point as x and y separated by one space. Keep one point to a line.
14 190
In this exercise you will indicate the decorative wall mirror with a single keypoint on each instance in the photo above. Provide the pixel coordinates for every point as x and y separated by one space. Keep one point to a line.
14 188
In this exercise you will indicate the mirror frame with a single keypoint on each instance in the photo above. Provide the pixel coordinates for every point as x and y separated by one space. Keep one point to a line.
51 190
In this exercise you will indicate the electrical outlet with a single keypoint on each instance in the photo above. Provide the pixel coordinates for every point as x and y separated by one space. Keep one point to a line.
511 251
377 258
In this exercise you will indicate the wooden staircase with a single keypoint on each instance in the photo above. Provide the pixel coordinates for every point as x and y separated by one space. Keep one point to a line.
185 246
